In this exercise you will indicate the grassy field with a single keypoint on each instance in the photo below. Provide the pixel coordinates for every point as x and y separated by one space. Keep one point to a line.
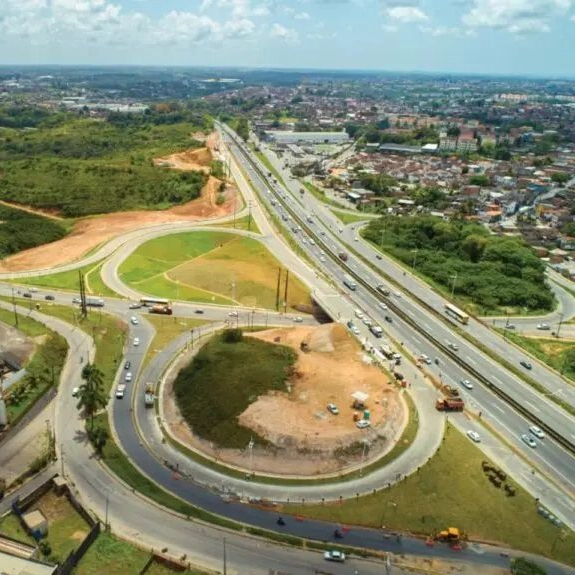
239 372
70 281
347 218
168 328
241 224
320 195
550 351
452 491
11 527
210 267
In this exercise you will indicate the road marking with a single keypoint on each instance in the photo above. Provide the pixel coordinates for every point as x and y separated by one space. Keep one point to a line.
531 405
469 360
498 409
496 380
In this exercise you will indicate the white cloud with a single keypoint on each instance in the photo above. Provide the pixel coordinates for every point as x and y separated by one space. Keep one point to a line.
440 30
515 16
406 14
302 16
287 34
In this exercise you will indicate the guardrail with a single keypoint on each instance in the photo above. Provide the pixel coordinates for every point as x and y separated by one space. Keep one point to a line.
520 408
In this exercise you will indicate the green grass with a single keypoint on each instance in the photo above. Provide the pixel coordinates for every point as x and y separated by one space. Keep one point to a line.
452 491
168 328
241 224
264 160
70 280
11 526
347 218
550 351
239 372
210 267
111 556
26 325
159 569
320 195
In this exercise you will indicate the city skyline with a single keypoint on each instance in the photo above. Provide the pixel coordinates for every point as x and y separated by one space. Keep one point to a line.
483 37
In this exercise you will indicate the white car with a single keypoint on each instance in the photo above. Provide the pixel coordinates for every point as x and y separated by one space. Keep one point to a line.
233 314
298 319
120 390
136 341
128 376
474 436
362 424
529 440
337 556
536 431
134 320
358 314
75 391
466 383
382 305
452 346
332 408
396 294
425 359
367 321
135 305
541 326
33 289
322 258
355 330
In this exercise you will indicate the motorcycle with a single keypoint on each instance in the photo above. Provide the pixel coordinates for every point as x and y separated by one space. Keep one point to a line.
338 534
280 521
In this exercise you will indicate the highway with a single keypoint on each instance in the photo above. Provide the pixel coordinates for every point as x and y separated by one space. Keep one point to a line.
554 460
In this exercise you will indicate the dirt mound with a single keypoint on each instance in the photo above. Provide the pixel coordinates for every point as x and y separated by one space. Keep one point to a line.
198 160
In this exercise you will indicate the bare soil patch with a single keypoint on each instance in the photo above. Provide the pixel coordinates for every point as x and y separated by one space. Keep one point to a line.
90 232
305 439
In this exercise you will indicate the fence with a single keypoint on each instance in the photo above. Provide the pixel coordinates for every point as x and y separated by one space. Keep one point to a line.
73 559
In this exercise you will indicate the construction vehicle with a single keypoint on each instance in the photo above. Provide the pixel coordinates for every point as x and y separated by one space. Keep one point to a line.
450 391
162 309
149 396
451 535
449 404
342 256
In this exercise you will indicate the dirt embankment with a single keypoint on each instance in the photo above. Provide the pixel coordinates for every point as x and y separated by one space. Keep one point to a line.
90 232
306 438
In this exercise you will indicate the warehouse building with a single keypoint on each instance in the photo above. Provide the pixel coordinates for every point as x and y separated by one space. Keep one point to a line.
285 138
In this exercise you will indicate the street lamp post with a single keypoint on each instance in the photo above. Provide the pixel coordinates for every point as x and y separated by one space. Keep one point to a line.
454 278
559 326
414 252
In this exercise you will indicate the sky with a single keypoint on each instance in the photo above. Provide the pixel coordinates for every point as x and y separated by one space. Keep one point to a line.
519 37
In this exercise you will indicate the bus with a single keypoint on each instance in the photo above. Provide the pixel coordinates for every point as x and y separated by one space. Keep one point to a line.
145 301
456 313
348 281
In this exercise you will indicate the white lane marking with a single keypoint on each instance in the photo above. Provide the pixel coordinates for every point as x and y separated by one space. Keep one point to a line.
496 380
471 361
498 409
531 406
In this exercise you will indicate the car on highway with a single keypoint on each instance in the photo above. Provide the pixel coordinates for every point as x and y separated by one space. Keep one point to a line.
27 294
509 326
536 431
528 440
120 390
382 305
49 297
127 365
233 314
33 289
322 258
362 424
128 376
474 436
367 321
75 391
543 326
136 341
134 320
298 319
378 256
337 556
199 311
452 346
525 364
388 319
135 305
397 294
332 408
425 359
355 330
358 314
76 300
466 383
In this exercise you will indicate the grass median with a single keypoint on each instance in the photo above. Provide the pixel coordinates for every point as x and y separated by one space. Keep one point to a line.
452 490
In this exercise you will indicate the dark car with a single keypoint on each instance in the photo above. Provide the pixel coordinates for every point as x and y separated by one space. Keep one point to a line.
199 311
49 297
388 318
127 365
26 294
525 364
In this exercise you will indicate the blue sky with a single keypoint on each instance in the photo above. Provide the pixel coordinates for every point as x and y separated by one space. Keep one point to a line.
535 37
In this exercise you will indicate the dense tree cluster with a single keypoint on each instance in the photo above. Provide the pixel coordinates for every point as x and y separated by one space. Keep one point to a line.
492 271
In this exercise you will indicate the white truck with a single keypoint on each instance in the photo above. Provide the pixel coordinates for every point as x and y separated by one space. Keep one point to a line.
149 395
376 330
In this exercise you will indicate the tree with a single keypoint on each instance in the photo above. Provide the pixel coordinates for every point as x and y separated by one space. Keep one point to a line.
92 396
560 177
522 566
479 180
243 129
98 436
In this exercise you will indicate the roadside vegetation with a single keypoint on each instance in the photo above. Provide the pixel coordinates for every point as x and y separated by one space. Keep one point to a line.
320 195
42 372
347 218
487 274
211 267
228 374
452 490
21 230
77 166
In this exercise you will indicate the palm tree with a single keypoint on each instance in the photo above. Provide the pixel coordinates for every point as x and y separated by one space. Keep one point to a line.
92 396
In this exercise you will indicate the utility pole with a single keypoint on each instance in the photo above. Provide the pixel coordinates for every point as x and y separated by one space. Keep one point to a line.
225 559
278 289
15 312
249 215
454 278
559 326
286 292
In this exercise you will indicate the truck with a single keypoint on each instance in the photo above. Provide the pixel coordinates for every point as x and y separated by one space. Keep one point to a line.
376 330
162 309
149 396
349 282
386 350
449 404
94 302
342 256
